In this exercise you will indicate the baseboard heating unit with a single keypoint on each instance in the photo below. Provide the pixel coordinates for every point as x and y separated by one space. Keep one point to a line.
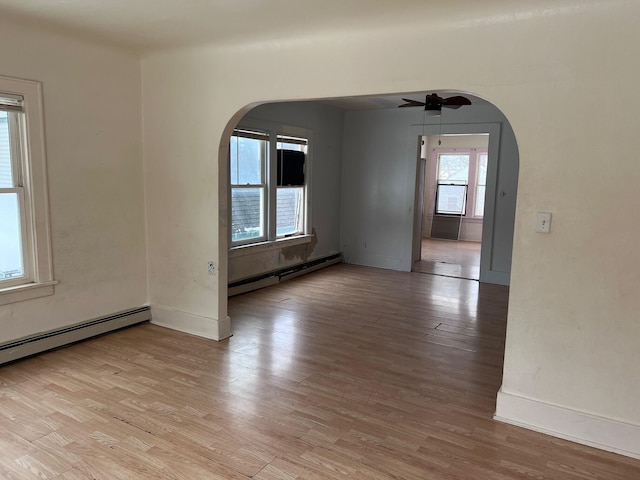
42 342
272 278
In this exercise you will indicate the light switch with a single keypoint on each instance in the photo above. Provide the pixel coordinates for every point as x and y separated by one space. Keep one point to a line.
543 222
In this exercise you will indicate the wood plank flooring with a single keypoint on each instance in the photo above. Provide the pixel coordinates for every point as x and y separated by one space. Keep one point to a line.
349 372
449 258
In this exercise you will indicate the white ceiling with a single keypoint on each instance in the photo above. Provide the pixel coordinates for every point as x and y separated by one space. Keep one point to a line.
146 26
149 25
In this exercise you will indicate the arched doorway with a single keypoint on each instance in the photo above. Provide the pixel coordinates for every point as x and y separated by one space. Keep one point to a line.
363 184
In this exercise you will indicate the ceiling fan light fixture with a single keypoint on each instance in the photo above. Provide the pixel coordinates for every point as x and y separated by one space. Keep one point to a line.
433 103
432 110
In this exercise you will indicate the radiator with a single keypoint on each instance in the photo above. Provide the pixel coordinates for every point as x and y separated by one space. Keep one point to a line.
42 342
273 278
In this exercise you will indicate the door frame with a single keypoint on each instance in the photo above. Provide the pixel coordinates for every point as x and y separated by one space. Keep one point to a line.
487 275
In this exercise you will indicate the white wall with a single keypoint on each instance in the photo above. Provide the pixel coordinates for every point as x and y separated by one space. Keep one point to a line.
92 125
564 77
326 124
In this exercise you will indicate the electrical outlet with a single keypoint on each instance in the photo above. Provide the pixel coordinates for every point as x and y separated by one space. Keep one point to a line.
543 222
211 267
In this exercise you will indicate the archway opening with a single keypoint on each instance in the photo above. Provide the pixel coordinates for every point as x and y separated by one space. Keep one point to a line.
361 201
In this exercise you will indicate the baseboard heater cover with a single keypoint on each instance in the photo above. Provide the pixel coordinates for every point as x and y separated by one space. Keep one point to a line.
41 342
272 278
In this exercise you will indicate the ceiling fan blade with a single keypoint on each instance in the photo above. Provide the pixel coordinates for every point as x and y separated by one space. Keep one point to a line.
411 103
434 102
456 101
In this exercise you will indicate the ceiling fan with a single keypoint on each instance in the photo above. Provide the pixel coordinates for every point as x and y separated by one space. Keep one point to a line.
433 103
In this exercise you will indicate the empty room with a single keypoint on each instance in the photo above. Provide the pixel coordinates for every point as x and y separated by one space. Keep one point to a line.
165 167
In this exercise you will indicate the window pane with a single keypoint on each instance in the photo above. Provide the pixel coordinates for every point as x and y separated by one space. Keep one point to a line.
247 213
6 180
10 237
453 168
479 210
289 211
247 157
291 143
482 169
451 199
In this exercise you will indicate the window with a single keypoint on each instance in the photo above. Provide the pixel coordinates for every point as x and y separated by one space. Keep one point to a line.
268 185
249 153
481 184
292 153
457 193
453 180
25 263
13 265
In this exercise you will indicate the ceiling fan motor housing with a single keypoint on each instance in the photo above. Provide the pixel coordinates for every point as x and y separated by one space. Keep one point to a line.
430 106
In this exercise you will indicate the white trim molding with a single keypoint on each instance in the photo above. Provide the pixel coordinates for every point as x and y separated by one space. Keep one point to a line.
580 427
206 327
27 291
255 248
36 245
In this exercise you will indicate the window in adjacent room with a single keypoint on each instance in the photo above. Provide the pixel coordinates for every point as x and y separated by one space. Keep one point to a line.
453 181
461 176
268 182
290 190
481 184
248 166
25 262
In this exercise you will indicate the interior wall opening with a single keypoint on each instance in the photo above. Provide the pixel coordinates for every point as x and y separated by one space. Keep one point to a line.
363 198
451 188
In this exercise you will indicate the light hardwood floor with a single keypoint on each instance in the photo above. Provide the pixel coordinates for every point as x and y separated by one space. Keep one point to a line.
349 372
449 258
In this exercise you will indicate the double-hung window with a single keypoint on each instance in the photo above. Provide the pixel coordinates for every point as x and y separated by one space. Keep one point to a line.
290 190
25 254
453 182
268 183
461 179
249 153
14 264
481 184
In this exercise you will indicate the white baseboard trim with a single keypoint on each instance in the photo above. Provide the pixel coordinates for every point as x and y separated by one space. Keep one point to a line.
189 323
587 429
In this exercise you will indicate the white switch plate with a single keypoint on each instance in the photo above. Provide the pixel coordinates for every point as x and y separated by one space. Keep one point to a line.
543 222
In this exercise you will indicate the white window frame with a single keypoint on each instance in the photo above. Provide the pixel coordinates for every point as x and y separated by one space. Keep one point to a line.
281 138
264 167
452 183
29 165
472 180
476 184
274 132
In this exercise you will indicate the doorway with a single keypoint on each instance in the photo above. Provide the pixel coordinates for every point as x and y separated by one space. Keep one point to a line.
499 194
452 181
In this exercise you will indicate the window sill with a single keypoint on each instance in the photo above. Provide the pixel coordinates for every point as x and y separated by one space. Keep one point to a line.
464 219
28 291
255 248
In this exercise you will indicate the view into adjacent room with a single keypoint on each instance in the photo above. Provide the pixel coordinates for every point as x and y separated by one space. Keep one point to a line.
455 177
359 154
